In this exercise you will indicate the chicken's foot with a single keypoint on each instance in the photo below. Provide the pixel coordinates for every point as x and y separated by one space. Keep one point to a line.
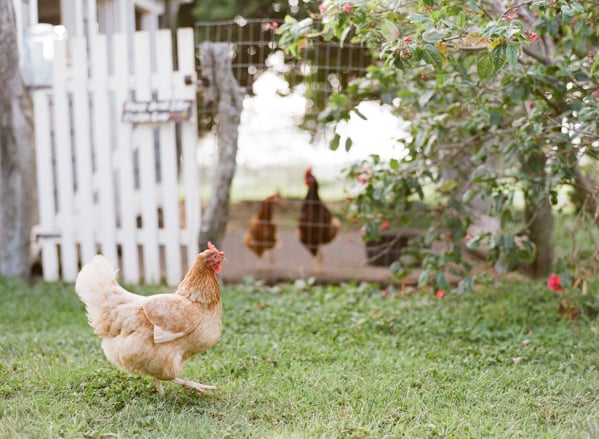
193 385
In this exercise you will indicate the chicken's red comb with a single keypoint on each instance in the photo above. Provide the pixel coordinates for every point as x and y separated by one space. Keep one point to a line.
213 248
308 172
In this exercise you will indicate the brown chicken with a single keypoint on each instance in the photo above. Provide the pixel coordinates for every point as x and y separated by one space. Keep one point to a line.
317 225
154 335
261 236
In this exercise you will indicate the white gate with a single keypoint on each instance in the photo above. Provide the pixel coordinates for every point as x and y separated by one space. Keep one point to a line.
126 190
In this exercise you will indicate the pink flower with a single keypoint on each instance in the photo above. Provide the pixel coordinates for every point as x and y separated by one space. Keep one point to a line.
384 225
440 294
384 293
407 39
596 94
554 284
346 8
362 179
532 36
321 7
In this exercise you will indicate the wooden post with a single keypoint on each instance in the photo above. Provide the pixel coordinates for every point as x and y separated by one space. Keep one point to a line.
221 90
17 160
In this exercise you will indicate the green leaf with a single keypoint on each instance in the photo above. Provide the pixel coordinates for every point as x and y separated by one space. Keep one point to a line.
360 114
506 218
423 279
465 285
432 56
394 164
348 144
469 195
484 68
595 65
441 281
433 35
390 30
511 54
334 145
344 35
498 56
494 117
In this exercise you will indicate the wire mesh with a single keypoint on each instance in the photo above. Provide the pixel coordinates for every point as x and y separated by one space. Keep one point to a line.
301 231
325 67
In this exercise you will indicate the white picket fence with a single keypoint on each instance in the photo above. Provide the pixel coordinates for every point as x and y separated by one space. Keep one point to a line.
104 185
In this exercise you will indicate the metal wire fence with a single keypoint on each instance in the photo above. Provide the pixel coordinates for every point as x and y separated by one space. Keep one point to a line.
325 67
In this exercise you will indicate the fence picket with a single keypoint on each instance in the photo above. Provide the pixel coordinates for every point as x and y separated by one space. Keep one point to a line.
189 138
64 157
127 232
45 185
83 151
168 163
104 183
144 143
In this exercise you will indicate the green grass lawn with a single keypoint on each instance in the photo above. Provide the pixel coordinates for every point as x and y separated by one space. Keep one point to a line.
310 361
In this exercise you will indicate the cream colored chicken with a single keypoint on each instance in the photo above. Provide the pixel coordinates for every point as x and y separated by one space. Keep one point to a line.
154 335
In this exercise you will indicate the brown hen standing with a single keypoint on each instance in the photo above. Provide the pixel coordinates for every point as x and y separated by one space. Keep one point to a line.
261 236
317 225
153 336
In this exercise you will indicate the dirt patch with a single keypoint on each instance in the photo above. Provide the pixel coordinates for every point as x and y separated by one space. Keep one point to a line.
345 259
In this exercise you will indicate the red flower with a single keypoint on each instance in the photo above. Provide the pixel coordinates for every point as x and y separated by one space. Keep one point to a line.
440 293
362 179
596 94
384 225
407 39
346 8
554 284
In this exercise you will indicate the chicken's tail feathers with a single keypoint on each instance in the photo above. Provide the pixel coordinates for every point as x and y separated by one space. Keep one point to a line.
95 285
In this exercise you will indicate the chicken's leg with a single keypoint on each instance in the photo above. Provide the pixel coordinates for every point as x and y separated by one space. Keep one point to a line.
193 385
318 259
158 385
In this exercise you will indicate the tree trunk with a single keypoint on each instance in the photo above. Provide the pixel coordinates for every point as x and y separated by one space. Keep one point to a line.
18 200
221 90
540 220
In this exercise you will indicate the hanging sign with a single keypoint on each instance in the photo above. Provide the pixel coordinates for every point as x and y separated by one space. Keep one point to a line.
176 110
